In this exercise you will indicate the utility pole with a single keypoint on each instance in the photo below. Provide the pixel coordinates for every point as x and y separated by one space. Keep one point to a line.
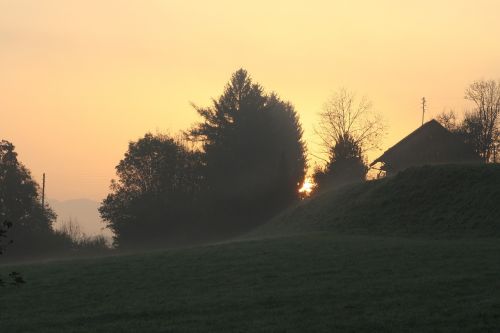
43 192
423 109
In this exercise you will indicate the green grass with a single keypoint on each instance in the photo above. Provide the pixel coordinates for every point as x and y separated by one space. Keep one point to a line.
324 278
308 283
439 201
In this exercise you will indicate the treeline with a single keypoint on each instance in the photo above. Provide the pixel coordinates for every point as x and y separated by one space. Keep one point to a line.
30 224
243 163
240 165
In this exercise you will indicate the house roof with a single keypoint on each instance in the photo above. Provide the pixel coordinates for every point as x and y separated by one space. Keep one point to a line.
431 136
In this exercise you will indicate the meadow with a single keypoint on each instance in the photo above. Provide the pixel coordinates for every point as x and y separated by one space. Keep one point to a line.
314 282
417 252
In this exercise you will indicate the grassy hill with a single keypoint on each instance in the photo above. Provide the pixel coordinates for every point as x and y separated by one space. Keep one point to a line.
318 280
438 201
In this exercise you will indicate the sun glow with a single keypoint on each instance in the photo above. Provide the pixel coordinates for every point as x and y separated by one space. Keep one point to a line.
307 187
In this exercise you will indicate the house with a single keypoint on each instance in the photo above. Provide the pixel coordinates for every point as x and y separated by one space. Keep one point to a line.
429 144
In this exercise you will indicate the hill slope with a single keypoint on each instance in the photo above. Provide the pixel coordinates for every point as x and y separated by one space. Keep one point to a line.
440 200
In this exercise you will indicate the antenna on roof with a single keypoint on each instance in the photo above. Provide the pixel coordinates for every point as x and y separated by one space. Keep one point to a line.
423 109
43 192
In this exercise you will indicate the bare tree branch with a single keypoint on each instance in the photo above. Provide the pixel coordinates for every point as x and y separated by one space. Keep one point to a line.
344 114
485 95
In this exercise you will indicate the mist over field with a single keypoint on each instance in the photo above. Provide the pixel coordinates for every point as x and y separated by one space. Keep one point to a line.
83 211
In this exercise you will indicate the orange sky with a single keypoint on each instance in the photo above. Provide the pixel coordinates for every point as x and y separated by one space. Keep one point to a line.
79 79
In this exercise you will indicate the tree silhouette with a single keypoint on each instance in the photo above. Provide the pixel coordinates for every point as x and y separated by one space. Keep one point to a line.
346 165
14 277
448 119
20 202
154 198
345 115
481 124
348 128
254 155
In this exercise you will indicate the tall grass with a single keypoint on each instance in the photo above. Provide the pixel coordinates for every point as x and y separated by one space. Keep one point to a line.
80 241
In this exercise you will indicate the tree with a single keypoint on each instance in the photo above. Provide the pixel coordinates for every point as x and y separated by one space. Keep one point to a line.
345 115
448 119
14 277
346 165
254 155
20 202
347 129
155 197
481 124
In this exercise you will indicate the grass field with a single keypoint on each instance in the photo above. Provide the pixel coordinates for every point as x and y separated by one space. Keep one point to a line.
429 261
319 282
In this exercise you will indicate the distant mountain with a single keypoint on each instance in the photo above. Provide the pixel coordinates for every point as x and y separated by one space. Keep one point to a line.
84 211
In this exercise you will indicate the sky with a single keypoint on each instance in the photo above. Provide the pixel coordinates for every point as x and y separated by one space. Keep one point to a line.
80 79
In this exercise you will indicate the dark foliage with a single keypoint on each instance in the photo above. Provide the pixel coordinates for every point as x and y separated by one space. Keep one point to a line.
346 165
473 131
3 235
254 155
20 202
15 278
482 124
155 197
19 198
480 127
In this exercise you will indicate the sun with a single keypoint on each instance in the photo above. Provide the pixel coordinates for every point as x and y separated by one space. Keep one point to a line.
307 187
